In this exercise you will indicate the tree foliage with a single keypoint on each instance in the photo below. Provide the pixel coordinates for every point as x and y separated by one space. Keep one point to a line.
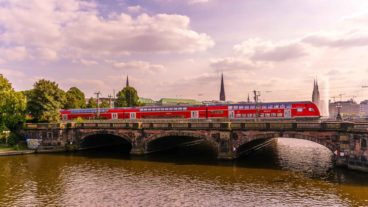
92 103
46 100
127 97
105 104
12 105
75 99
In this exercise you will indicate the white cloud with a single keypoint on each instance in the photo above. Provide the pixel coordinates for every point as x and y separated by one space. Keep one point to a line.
139 65
54 29
353 38
88 62
17 53
198 1
233 63
260 50
134 9
11 73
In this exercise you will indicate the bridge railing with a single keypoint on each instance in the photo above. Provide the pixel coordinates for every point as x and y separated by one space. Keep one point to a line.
276 126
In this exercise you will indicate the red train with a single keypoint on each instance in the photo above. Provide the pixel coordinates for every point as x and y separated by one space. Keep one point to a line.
276 110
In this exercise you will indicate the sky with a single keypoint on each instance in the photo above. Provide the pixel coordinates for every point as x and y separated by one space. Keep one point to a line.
180 48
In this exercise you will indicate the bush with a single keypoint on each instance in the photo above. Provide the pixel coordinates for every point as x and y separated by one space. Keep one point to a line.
13 139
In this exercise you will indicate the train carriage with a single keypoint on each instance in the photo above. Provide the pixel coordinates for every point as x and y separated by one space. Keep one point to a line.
275 110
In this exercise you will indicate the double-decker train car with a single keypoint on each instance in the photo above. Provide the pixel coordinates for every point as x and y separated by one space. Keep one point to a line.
276 110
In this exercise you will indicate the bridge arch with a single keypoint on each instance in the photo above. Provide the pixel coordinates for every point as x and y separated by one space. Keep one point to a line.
244 142
105 138
324 139
172 139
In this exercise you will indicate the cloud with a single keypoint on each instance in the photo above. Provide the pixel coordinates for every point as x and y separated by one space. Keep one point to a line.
260 50
191 2
232 64
54 29
11 73
87 62
134 9
139 65
17 53
354 38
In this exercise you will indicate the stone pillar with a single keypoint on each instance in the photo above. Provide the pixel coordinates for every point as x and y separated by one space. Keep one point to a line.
343 149
225 146
138 147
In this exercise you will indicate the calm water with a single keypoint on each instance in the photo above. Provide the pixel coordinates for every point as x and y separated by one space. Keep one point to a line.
286 173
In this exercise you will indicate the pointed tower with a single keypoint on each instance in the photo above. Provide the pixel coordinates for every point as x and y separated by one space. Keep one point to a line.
127 82
222 90
315 94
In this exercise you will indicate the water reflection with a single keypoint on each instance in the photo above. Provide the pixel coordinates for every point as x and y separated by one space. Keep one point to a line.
286 173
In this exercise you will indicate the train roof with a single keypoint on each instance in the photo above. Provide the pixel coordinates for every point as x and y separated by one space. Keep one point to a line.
102 110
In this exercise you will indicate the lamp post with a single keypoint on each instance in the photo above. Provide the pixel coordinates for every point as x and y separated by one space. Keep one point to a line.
98 103
338 117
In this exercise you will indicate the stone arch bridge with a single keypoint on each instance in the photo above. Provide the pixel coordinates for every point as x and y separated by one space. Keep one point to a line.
347 140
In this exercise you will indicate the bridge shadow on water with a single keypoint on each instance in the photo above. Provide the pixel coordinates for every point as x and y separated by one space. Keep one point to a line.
296 156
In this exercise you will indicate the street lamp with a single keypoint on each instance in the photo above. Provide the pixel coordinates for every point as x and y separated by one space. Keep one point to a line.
98 103
338 117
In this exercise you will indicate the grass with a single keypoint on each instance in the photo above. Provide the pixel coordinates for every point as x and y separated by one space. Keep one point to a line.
17 147
4 148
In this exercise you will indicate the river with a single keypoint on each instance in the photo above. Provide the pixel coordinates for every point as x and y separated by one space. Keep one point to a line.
288 172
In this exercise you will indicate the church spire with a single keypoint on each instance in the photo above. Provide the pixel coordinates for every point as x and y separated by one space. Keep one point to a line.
315 94
127 82
222 90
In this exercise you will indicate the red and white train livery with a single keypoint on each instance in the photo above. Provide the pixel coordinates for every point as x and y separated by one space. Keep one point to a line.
276 110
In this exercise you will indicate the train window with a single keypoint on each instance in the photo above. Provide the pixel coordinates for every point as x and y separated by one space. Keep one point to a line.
299 109
282 106
236 107
279 114
238 115
262 115
230 107
246 107
184 108
270 106
252 107
241 107
264 107
267 115
276 106
288 106
311 109
273 114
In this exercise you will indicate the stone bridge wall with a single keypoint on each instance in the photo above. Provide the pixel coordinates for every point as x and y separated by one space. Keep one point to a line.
348 141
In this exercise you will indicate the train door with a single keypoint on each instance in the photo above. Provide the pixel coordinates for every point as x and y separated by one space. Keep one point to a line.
132 115
114 116
231 114
194 114
65 117
287 113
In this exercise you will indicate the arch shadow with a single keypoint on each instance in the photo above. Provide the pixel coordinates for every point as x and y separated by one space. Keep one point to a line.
105 140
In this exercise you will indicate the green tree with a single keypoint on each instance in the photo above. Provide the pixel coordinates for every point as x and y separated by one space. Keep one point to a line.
92 103
12 106
75 99
46 100
105 104
127 97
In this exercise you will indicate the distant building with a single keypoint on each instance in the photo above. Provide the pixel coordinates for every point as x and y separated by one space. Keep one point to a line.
147 101
174 101
222 89
363 112
348 109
